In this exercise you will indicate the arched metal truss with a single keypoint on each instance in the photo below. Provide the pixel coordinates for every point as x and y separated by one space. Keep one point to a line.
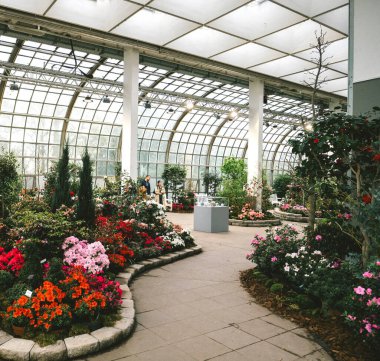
62 100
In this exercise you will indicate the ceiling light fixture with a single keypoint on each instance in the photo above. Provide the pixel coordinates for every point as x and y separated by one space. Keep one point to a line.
106 99
87 99
14 87
189 105
217 115
147 105
265 100
170 110
232 115
267 124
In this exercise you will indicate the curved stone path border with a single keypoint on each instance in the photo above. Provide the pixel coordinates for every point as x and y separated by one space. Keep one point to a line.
12 348
258 223
292 217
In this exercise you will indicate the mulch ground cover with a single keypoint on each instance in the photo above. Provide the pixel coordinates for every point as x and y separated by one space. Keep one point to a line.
330 332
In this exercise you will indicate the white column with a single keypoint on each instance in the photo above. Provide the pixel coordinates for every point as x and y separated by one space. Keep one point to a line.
130 112
255 131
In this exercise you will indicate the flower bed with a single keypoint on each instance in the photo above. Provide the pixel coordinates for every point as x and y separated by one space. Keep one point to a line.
299 215
327 284
57 275
248 217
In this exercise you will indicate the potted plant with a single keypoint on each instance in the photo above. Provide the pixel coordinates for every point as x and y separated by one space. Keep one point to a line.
19 314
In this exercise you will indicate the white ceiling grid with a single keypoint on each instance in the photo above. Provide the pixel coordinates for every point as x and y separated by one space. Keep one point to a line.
272 37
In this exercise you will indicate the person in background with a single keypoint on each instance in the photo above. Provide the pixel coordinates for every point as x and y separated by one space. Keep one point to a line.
145 183
160 194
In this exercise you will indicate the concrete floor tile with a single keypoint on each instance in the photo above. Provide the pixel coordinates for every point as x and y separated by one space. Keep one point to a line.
153 318
204 324
206 305
165 353
202 348
263 351
252 309
280 322
320 355
230 356
180 311
230 299
175 331
232 337
141 341
260 328
291 342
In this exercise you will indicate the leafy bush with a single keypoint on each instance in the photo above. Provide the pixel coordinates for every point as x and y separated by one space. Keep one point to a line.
174 176
6 280
280 184
10 184
211 181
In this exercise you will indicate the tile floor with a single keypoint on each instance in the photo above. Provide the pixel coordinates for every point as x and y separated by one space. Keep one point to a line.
195 309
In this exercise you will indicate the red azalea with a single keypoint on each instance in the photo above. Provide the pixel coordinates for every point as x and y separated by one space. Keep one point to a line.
72 194
367 199
316 141
367 149
376 157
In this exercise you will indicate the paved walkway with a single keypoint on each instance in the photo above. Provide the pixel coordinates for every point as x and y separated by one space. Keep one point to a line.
195 309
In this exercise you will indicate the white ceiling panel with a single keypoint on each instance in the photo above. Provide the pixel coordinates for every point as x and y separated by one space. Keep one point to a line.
298 37
205 42
257 19
309 76
335 85
197 10
312 7
32 6
343 93
336 51
338 19
283 66
340 66
248 55
142 2
98 15
154 27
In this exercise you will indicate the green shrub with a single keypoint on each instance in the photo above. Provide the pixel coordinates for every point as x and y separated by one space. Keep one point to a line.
280 184
277 288
174 177
15 292
10 184
55 273
6 280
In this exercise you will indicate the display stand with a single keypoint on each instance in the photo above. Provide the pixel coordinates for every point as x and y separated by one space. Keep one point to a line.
211 214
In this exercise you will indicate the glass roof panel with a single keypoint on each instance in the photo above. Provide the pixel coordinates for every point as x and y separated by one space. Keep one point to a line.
33 6
309 76
312 7
338 19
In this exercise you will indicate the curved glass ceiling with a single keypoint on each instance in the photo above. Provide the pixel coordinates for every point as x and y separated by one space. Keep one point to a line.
56 103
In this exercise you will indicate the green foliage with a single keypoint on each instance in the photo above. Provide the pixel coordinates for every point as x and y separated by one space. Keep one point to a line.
280 184
10 184
15 292
334 242
234 179
86 205
276 288
211 181
61 194
174 177
6 280
55 273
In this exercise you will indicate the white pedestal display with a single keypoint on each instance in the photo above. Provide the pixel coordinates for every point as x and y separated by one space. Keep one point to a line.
211 219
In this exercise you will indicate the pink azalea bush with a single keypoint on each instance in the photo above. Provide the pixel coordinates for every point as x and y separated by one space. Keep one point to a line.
91 256
363 305
247 213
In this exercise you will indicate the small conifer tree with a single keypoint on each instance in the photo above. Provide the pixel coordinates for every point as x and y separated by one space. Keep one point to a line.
62 182
86 205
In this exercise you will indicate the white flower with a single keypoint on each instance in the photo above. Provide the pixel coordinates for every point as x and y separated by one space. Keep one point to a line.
319 253
286 268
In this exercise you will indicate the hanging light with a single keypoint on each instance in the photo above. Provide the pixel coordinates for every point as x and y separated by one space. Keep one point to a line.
217 116
14 87
106 99
267 124
170 110
87 99
265 99
189 105
232 115
147 105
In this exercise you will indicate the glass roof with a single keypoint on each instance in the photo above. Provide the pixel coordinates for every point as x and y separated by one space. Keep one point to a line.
56 103
267 36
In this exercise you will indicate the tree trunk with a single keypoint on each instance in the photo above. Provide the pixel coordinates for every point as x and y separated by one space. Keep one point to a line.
312 205
365 248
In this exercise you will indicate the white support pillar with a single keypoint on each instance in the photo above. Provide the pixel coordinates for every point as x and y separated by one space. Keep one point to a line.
255 132
130 112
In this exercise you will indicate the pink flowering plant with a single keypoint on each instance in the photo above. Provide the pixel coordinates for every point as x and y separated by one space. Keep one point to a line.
268 252
91 256
362 308
247 213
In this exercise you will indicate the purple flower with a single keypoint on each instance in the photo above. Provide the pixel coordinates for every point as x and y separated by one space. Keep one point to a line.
318 237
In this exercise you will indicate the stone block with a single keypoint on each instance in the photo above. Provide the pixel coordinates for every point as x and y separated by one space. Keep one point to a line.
127 313
81 345
107 336
16 349
127 303
55 352
4 337
125 325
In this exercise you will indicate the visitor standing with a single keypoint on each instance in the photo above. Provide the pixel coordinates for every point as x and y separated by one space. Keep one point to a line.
145 183
160 194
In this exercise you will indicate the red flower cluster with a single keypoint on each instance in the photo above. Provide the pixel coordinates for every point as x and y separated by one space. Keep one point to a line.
367 199
11 261
376 157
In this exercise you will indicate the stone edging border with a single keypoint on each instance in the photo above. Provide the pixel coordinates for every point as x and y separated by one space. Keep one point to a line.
258 223
12 348
293 217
